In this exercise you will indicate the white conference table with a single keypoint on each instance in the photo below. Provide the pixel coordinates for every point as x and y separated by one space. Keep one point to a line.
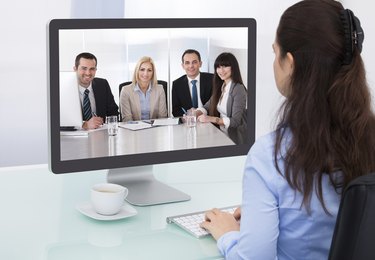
39 219
156 139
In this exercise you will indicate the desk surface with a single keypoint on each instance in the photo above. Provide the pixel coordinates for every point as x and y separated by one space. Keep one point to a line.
39 220
156 139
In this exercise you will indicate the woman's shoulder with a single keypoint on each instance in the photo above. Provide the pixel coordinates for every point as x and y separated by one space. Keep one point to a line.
264 144
238 88
159 88
127 89
260 161
267 142
129 86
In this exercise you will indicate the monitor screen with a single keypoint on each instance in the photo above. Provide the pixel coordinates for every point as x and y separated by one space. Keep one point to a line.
118 44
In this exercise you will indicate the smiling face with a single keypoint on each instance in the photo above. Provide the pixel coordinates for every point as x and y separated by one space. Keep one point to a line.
145 73
191 64
282 69
224 72
85 71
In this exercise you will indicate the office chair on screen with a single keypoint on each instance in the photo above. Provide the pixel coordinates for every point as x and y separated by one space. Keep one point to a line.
354 233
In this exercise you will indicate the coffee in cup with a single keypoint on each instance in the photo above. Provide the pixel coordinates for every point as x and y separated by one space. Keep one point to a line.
108 198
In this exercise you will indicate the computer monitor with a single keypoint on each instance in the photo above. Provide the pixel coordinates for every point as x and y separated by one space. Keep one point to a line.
118 44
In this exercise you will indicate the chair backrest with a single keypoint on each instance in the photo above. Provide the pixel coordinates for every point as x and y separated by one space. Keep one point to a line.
161 82
354 233
123 85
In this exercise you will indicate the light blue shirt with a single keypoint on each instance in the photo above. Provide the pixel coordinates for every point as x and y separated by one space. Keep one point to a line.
273 223
145 102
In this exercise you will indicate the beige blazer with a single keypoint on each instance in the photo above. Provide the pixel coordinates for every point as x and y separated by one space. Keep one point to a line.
131 105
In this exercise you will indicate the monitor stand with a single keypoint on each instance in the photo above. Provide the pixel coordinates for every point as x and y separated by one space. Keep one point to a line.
144 189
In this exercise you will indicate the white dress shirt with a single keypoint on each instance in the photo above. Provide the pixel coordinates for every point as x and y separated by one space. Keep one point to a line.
222 106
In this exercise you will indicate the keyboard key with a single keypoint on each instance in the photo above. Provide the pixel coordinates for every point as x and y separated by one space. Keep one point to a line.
190 222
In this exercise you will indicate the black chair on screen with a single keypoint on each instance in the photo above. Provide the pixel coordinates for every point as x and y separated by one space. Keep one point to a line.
354 233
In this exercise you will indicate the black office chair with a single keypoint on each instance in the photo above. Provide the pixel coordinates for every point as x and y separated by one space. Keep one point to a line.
161 82
354 233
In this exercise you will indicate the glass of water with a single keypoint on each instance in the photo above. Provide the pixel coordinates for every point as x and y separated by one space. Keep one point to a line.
112 125
190 117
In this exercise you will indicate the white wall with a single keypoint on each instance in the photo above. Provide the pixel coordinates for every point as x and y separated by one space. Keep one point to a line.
23 88
23 61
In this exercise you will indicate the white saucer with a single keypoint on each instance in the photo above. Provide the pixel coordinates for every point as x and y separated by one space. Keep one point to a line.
86 209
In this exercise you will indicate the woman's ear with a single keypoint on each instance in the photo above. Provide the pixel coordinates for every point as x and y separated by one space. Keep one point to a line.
290 62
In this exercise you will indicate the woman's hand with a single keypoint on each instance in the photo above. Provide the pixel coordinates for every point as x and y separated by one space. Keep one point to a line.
204 118
218 223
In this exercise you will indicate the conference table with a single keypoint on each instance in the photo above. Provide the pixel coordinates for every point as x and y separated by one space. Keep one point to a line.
97 143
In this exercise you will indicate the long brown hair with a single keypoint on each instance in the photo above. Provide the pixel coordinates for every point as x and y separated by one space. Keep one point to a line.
328 110
226 59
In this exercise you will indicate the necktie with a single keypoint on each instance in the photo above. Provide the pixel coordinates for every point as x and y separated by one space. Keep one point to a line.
194 93
86 106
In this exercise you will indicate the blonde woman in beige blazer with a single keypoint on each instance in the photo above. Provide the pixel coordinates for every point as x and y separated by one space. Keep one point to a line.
144 98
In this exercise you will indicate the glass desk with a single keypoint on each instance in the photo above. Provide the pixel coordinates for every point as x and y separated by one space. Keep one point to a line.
39 219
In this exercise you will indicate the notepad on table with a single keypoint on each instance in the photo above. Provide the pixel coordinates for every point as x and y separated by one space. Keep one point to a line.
135 125
74 133
165 121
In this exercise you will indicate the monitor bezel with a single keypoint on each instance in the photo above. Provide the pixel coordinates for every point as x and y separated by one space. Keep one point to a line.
57 165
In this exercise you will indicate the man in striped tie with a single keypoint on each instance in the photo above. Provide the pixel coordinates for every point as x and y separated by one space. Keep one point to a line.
95 93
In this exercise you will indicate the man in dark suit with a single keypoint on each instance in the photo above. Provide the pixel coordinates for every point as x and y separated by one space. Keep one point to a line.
95 93
184 87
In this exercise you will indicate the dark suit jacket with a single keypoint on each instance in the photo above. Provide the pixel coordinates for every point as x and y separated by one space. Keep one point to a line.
181 92
105 103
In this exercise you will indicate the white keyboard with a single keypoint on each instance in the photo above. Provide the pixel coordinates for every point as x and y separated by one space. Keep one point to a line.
191 221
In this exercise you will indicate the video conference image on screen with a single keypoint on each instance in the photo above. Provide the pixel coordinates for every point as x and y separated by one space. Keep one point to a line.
118 52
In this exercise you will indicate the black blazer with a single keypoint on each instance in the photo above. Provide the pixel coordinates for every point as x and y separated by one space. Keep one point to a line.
181 92
105 103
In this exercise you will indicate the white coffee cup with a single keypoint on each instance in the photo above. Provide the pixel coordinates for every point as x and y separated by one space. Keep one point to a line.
108 198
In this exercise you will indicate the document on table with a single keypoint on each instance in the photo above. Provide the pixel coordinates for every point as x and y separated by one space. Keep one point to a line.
79 131
135 125
138 125
165 121
74 133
